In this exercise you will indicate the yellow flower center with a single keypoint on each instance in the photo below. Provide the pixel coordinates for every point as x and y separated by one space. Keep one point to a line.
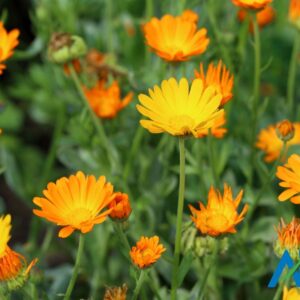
182 122
78 216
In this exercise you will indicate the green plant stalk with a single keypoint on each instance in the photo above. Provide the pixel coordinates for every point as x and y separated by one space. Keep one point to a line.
76 268
212 160
119 230
176 259
139 284
292 76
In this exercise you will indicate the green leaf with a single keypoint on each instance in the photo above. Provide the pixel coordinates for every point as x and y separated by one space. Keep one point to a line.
185 266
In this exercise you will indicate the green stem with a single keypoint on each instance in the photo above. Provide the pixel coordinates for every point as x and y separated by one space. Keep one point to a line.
76 268
292 76
120 232
179 219
212 160
139 285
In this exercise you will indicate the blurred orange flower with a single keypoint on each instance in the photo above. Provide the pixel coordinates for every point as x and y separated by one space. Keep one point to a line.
120 206
251 4
290 176
146 252
8 41
76 203
176 38
116 293
289 234
219 77
291 294
263 17
106 101
294 11
285 130
220 216
271 144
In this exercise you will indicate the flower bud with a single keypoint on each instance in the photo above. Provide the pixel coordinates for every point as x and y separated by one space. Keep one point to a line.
120 206
116 293
285 130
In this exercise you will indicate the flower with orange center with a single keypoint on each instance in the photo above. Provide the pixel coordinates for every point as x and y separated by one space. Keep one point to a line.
120 206
105 101
291 294
263 17
220 216
8 41
290 176
146 252
76 203
269 142
219 77
116 293
294 11
176 38
251 4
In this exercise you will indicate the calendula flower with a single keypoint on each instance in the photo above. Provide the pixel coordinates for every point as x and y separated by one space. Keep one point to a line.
219 77
285 130
269 142
252 4
106 101
294 11
116 293
13 266
120 207
288 238
217 129
176 38
8 41
178 110
290 176
291 294
220 216
76 203
146 252
263 17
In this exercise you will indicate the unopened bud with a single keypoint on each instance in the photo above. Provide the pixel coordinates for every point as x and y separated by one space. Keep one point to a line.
285 130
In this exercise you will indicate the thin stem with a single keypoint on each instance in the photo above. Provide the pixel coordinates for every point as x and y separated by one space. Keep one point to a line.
292 76
212 160
120 232
76 268
139 285
179 219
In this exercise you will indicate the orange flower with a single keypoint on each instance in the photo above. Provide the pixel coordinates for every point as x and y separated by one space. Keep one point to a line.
251 4
8 41
271 144
285 130
106 101
294 11
216 130
219 77
291 294
76 203
176 38
290 176
120 206
116 293
146 252
220 216
263 17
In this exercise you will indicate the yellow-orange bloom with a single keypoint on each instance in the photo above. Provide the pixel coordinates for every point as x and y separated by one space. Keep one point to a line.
290 176
116 293
219 77
291 294
76 203
263 17
179 110
176 38
294 11
120 206
8 41
289 234
220 216
251 4
285 130
271 144
106 101
146 252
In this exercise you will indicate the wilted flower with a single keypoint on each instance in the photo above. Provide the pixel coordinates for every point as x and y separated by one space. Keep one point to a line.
176 38
8 41
294 12
285 130
120 206
116 293
271 144
106 101
251 4
146 252
179 110
220 216
290 176
291 294
219 77
76 203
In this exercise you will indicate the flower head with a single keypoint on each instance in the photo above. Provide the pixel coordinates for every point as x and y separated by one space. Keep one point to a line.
176 38
269 142
290 176
120 206
291 294
76 203
294 11
251 4
220 216
178 110
285 130
146 252
116 293
219 77
8 41
106 101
